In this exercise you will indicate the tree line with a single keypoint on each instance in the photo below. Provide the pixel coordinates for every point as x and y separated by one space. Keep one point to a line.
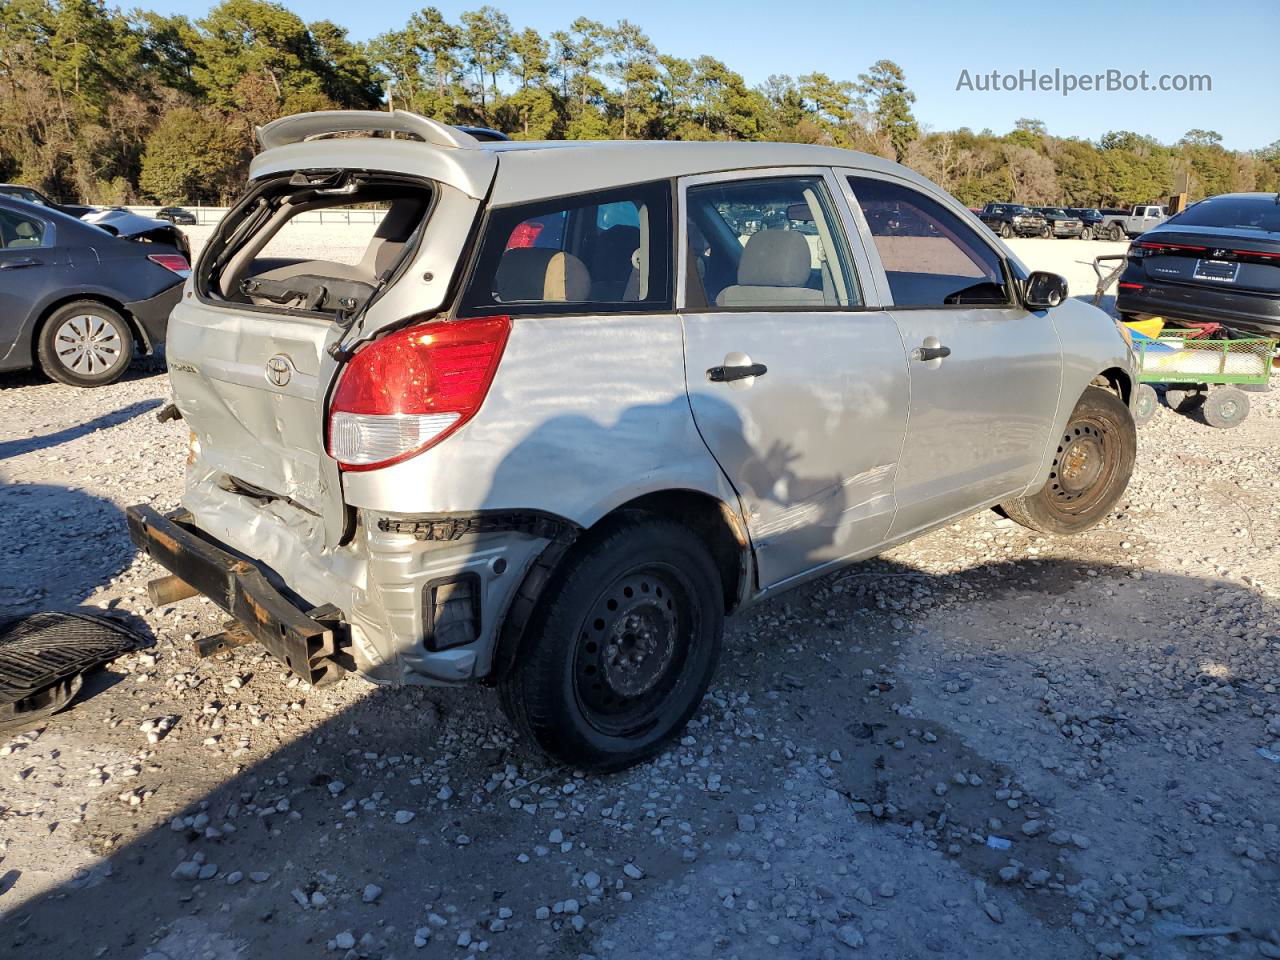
113 107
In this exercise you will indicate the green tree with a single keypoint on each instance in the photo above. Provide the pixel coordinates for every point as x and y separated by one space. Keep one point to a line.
885 87
486 36
190 158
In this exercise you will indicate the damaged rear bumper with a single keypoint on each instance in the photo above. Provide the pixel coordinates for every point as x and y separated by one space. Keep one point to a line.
296 638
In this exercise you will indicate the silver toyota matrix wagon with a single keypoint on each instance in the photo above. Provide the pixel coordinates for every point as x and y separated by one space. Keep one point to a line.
574 403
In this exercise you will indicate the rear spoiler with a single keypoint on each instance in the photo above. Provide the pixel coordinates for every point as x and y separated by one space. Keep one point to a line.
307 126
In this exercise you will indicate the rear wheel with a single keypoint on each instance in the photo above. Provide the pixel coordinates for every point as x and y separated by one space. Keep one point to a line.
622 647
1226 407
1117 232
1091 468
1086 234
1006 231
85 344
1145 404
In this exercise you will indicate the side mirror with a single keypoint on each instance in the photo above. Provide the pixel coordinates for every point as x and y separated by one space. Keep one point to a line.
1044 290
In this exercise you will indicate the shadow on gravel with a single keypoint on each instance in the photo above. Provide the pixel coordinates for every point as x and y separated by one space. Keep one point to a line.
315 821
14 448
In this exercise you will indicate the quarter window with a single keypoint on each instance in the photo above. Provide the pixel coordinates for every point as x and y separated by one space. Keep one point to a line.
18 232
599 253
772 242
930 256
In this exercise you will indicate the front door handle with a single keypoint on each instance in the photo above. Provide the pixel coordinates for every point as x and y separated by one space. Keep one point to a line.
19 264
930 353
728 374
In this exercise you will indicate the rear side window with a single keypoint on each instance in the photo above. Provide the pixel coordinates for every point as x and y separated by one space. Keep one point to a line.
772 242
1241 213
930 256
18 232
606 252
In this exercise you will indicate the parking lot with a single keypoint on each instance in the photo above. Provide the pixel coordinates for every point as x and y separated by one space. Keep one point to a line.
983 744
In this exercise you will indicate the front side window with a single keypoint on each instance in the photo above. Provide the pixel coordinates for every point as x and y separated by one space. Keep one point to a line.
607 252
773 242
18 232
930 256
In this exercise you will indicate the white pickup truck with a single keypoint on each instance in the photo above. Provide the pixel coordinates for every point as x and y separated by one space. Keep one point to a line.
1138 220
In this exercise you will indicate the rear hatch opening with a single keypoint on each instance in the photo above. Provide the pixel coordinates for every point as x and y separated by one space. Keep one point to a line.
274 253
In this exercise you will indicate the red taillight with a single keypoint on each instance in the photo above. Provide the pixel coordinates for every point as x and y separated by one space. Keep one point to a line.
411 389
1130 286
172 261
1256 253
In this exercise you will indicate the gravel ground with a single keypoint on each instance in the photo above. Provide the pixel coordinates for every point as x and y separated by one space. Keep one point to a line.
984 744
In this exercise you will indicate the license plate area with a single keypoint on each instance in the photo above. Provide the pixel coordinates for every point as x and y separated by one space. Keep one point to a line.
1217 271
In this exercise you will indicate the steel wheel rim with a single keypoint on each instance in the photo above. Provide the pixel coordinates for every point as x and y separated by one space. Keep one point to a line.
1228 409
632 647
87 344
1084 466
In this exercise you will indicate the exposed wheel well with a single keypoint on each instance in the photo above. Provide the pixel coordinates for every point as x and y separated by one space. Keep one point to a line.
1117 381
712 520
715 522
138 336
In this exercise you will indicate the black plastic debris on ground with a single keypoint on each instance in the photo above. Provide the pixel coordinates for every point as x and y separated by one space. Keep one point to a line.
44 657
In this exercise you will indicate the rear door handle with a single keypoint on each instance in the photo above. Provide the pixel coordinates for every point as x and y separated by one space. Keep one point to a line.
930 353
728 374
19 264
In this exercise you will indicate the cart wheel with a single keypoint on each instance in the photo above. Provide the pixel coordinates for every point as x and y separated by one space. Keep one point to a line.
1183 399
1226 407
1144 405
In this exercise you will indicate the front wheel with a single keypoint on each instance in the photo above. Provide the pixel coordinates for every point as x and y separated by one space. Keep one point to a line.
621 649
85 344
1145 404
1006 231
1091 468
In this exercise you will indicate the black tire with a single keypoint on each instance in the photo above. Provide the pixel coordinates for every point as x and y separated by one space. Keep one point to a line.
1183 399
1006 231
1145 404
1117 232
573 690
1090 471
1086 234
1225 407
1046 233
85 344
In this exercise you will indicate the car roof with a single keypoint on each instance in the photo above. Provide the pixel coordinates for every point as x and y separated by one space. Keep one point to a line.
63 220
528 170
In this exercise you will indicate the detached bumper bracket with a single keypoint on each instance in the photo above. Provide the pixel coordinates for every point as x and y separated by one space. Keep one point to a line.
304 644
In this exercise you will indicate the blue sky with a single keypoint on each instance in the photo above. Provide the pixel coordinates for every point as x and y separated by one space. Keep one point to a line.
1234 43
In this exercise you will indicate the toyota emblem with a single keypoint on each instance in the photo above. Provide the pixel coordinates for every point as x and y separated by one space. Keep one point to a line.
280 370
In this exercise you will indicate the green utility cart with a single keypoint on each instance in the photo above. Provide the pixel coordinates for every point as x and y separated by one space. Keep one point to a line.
1201 373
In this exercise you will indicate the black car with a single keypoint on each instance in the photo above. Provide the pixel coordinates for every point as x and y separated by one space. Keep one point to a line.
32 195
79 300
176 215
1090 217
1218 260
1060 223
1012 219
